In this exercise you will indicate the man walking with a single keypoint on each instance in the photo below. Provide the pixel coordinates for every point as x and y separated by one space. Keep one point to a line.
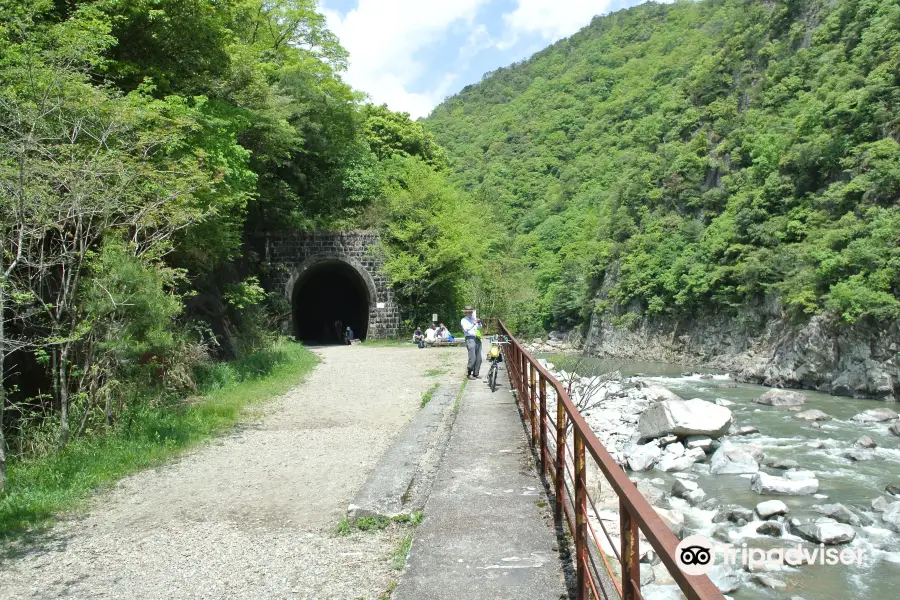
471 329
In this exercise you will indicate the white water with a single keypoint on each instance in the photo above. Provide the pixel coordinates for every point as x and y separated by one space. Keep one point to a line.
782 436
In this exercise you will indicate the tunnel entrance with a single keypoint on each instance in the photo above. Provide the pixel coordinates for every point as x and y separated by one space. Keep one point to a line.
327 298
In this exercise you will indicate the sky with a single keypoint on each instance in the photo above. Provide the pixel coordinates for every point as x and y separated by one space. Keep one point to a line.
412 54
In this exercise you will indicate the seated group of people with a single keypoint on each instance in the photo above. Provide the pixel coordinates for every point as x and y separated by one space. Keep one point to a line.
432 335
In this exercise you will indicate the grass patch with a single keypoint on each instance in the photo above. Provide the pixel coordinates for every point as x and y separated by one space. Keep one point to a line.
343 528
372 523
426 397
398 560
462 390
387 594
433 372
146 436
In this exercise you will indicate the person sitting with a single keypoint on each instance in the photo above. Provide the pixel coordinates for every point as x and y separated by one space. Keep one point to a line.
445 334
431 336
419 337
348 336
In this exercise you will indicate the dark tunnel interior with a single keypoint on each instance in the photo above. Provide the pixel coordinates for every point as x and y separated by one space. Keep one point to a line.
328 298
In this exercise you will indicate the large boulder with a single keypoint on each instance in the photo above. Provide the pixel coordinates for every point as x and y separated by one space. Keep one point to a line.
771 528
824 531
726 578
704 442
771 508
653 494
776 397
891 516
674 519
875 415
676 449
688 490
879 504
734 460
657 393
684 418
670 462
763 483
735 513
813 415
866 442
839 513
644 457
895 428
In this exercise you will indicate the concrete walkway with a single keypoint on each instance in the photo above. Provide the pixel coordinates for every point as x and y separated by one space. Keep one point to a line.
488 531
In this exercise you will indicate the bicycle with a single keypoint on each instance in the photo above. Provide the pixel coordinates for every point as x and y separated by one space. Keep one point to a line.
496 357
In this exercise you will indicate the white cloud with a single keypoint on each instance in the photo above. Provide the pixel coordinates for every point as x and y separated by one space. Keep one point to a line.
384 39
551 19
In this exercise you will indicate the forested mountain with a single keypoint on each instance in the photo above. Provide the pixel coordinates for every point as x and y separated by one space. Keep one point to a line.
702 154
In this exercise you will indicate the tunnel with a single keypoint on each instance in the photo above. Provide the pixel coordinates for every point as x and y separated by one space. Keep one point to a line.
327 298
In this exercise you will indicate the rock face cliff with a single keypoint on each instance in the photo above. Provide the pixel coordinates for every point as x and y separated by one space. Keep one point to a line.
759 344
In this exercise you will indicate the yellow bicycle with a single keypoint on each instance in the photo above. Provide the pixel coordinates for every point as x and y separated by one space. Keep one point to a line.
496 357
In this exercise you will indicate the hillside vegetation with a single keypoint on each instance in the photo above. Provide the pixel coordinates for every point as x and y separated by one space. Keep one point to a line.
704 154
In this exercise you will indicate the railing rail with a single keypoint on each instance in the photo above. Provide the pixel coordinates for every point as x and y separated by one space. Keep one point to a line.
550 439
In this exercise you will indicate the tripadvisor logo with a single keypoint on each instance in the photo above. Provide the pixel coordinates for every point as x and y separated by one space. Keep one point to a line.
696 555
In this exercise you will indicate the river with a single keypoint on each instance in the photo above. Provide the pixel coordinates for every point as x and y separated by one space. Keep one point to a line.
782 436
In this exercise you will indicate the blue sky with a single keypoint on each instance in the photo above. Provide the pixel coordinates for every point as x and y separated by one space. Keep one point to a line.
411 54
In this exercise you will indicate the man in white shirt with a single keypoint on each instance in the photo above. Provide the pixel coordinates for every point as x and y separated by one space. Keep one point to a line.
472 330
430 335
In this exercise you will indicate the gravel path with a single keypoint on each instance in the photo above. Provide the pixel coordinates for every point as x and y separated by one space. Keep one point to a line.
253 514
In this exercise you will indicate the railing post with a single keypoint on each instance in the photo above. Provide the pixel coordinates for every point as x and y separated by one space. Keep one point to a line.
523 373
532 397
560 462
631 573
580 517
543 416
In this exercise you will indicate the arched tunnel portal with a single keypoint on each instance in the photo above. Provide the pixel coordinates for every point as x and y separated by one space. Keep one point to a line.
328 296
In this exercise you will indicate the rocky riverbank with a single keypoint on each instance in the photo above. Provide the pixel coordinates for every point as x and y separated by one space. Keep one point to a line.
703 465
761 345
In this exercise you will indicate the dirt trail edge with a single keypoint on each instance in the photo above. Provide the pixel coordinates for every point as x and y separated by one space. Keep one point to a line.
253 514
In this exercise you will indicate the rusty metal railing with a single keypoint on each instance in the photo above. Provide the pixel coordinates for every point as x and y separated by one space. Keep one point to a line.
563 445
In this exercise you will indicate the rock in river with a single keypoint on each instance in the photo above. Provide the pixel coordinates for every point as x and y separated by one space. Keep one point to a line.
786 463
689 491
734 460
684 418
771 508
643 457
895 428
875 415
838 512
734 513
778 397
824 531
763 483
813 415
891 516
866 442
770 528
704 442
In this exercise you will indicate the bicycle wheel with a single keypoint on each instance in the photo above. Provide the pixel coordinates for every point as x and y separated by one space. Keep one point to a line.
492 377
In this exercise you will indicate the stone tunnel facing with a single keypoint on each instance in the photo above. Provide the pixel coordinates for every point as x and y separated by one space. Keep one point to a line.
327 298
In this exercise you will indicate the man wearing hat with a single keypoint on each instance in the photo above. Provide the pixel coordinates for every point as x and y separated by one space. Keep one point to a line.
472 329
